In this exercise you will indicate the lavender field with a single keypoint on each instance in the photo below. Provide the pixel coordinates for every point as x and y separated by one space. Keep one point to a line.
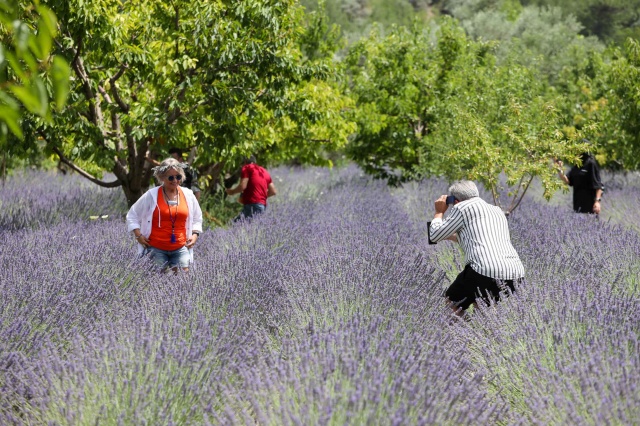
327 310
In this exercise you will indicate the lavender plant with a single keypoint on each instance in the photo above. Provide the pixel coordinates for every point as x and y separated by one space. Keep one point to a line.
325 310
36 199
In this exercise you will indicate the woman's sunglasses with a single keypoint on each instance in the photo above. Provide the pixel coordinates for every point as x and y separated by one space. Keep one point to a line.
176 177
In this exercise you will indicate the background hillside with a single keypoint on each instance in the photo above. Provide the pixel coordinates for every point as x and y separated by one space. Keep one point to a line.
610 21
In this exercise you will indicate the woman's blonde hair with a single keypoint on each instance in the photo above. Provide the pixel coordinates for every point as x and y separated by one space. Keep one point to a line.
160 171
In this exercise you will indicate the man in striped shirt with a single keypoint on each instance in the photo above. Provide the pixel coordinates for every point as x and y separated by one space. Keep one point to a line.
492 263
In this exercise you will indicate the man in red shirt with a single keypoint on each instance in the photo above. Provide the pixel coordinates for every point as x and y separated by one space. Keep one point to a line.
255 187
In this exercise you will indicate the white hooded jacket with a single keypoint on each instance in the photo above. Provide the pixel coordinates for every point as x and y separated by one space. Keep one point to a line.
141 214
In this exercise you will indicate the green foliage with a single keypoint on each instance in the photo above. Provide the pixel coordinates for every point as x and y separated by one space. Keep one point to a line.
355 17
603 88
619 83
395 81
540 38
218 210
609 20
32 79
230 78
445 107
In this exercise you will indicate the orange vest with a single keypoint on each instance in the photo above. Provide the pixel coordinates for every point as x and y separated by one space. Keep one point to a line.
163 217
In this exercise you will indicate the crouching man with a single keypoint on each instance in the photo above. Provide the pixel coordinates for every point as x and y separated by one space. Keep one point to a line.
492 264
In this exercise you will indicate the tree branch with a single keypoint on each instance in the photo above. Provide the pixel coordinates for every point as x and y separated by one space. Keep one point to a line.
119 74
494 194
114 89
94 104
116 183
95 114
116 95
104 94
142 164
522 195
115 121
515 195
131 147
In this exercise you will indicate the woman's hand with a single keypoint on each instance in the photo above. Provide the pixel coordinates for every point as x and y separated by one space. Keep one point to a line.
596 207
560 171
192 241
142 240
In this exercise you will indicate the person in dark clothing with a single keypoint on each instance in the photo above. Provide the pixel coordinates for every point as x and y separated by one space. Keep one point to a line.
586 182
254 188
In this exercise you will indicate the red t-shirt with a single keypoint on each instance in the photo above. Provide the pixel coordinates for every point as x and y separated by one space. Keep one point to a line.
259 180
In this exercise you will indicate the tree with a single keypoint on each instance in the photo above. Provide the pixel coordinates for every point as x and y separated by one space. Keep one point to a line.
618 84
395 80
609 20
31 78
355 17
543 38
217 75
442 106
315 125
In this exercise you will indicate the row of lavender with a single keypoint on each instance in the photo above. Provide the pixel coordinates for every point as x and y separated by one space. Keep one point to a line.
327 310
33 200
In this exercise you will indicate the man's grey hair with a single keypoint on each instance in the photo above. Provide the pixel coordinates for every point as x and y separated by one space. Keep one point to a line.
170 163
464 190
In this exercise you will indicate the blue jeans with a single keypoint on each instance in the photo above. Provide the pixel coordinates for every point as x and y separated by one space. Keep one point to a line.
169 259
250 210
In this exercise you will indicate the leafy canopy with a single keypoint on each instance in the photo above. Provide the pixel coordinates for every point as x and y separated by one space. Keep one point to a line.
226 77
32 79
617 82
437 103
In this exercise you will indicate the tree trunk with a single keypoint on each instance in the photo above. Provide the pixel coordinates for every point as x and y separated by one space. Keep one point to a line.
213 171
133 191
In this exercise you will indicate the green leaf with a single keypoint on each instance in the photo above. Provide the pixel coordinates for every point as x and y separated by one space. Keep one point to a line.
33 97
47 22
11 117
60 73
15 65
44 40
21 33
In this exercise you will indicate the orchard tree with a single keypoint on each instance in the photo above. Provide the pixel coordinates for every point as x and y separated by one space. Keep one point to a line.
394 80
619 84
27 66
603 88
224 77
315 123
518 141
440 105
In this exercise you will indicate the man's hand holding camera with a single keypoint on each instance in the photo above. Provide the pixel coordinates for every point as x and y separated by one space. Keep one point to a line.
441 206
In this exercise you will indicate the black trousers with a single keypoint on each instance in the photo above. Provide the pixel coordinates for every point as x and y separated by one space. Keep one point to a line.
469 285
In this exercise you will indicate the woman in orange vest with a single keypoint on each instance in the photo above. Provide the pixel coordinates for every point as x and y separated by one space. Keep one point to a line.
167 220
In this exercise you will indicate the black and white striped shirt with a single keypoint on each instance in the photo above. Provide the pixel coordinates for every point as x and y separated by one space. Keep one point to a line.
483 233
